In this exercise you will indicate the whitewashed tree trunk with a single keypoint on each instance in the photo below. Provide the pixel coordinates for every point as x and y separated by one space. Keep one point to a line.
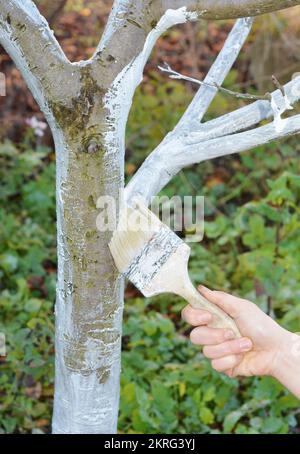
89 293
87 105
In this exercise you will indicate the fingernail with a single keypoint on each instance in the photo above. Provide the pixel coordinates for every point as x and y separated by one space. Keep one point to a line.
205 318
202 287
229 335
245 345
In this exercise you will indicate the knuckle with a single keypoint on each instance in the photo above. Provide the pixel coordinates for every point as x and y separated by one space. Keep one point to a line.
238 358
219 336
234 360
232 347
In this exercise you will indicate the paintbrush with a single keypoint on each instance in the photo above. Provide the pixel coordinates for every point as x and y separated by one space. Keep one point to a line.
155 260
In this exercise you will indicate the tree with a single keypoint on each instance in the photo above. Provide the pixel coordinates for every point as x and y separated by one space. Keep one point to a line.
86 105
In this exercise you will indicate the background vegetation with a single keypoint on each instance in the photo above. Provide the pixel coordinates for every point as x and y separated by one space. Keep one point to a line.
251 245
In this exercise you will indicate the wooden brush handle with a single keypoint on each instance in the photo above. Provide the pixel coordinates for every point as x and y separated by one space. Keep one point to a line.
196 300
173 277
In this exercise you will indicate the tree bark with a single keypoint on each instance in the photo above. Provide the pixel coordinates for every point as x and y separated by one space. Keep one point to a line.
89 292
229 9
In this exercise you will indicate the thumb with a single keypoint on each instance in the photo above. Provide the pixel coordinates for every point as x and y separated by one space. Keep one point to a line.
229 303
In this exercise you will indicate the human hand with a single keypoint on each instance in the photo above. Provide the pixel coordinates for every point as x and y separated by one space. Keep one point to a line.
259 352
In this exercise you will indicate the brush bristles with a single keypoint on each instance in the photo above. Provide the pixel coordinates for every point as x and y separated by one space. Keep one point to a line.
136 227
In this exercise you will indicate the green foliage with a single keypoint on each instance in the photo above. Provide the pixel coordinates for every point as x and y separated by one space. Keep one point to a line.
27 289
251 248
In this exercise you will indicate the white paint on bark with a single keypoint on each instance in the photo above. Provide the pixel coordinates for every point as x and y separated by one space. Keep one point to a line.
88 308
155 170
118 99
115 19
245 117
279 105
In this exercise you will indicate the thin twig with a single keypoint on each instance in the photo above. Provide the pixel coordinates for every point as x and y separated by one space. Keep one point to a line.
278 85
176 75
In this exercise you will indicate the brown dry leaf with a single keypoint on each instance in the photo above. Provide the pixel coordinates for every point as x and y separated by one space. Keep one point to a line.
130 168
48 392
42 422
34 391
85 12
214 181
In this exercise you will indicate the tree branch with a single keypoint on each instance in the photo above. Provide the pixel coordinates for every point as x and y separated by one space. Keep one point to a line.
26 36
160 168
216 138
244 118
130 34
190 120
120 87
234 143
230 9
216 75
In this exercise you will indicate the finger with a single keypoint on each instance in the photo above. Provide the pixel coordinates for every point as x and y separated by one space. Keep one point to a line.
226 363
229 303
233 347
210 336
195 317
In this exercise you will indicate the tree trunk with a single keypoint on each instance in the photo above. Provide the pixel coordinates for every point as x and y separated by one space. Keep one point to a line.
89 292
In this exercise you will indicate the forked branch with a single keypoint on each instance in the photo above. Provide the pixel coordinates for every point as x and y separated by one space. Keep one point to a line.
27 37
246 117
191 119
192 141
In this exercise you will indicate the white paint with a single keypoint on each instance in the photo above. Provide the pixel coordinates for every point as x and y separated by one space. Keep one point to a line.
280 105
243 118
119 97
32 60
157 170
82 404
116 16
192 142
100 413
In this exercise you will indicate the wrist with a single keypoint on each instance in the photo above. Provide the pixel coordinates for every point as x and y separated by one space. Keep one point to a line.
286 356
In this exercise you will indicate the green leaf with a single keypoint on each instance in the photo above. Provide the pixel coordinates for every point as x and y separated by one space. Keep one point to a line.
271 425
9 262
33 305
206 415
231 420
